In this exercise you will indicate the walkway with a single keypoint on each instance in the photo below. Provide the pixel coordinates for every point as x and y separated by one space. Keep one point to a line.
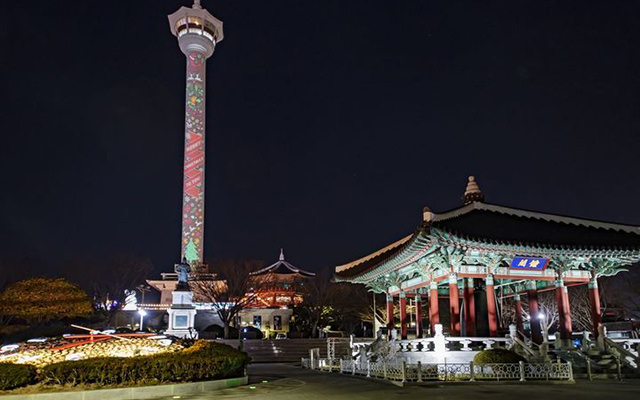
287 382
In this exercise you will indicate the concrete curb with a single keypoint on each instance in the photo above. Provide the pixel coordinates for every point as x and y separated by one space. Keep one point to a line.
134 393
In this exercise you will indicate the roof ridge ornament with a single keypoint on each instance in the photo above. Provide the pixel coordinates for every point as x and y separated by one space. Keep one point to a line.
281 254
472 193
196 4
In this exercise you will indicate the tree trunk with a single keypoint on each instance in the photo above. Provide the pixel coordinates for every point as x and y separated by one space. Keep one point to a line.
226 329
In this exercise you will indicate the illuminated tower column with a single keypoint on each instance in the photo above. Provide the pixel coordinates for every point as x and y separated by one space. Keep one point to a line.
198 32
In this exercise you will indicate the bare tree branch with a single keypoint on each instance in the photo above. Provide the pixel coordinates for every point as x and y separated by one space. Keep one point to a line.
232 289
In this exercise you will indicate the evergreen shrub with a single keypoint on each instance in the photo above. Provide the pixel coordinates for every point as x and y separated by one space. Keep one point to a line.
497 356
16 375
202 361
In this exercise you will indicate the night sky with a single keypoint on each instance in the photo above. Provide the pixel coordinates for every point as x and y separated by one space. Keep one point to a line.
330 124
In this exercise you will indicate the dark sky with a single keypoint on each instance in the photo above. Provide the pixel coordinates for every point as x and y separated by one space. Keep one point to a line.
330 123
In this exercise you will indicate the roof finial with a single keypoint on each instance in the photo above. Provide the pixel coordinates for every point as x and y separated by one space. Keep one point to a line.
472 192
281 254
196 4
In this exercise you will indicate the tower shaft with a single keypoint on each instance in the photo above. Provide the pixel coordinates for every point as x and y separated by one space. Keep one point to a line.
198 32
194 158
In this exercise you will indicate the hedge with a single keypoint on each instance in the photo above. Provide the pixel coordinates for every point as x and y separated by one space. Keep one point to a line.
16 375
497 356
202 361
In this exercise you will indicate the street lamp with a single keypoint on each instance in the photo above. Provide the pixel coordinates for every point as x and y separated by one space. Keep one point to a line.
143 289
142 314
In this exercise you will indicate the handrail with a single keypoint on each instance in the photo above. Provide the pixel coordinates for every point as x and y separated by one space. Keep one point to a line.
625 355
530 352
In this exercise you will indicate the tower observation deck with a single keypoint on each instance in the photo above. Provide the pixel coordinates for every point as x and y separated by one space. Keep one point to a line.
198 32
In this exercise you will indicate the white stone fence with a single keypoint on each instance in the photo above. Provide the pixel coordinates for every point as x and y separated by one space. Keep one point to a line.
403 373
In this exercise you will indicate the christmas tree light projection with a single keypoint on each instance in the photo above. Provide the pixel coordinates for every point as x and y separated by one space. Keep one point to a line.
191 253
198 32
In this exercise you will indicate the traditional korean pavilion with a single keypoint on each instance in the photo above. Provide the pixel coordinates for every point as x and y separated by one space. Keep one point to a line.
458 254
285 283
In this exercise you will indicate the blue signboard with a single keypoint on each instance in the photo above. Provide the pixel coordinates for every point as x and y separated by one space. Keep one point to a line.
529 263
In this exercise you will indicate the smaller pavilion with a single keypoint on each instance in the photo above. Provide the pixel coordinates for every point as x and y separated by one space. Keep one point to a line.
284 286
462 255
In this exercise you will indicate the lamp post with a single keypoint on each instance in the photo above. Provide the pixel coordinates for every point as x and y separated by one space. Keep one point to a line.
143 289
142 314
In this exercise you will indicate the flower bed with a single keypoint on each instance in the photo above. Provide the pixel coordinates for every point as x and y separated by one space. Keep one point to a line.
41 355
202 361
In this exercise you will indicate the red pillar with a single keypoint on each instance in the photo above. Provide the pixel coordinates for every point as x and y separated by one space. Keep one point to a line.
567 312
454 305
519 321
434 313
491 307
390 321
594 299
564 312
418 315
534 312
403 316
469 308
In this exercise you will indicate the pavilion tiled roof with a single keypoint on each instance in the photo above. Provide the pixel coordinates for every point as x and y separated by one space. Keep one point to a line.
365 263
481 222
498 223
284 267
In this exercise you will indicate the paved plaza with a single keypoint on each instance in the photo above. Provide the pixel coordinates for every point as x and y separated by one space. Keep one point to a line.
287 382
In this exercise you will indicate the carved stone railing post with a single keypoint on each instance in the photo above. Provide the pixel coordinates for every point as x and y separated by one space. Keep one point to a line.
472 373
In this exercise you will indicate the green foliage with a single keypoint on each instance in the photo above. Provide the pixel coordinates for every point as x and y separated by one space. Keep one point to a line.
202 361
497 356
16 375
42 299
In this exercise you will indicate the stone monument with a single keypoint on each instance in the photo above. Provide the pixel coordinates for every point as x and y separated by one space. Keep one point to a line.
182 313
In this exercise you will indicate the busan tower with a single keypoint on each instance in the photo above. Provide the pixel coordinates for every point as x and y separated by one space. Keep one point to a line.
198 32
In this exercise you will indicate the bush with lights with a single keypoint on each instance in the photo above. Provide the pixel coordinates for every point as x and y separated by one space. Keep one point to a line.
497 356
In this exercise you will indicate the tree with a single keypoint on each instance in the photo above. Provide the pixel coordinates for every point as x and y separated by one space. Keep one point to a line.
622 291
232 289
579 303
350 301
39 300
317 296
109 279
378 316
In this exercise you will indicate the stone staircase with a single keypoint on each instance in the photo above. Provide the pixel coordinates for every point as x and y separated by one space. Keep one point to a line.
285 351
595 364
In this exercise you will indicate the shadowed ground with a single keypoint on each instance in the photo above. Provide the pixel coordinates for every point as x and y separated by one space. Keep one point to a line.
287 382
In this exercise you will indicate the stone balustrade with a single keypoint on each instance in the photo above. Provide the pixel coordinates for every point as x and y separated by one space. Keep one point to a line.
450 344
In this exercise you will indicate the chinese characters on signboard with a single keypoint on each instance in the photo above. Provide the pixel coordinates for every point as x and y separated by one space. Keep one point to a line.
529 263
